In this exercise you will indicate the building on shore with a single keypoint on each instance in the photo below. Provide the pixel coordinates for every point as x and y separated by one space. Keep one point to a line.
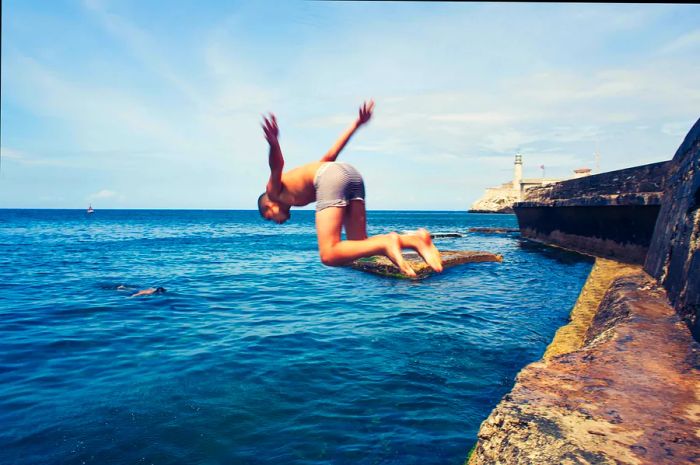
500 199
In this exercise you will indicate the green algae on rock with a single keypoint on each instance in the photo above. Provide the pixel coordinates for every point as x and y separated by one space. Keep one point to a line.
570 337
382 266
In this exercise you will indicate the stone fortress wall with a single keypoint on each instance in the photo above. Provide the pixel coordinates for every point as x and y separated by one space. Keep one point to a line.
610 214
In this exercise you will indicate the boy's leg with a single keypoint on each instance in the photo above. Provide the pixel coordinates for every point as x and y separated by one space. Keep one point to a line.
334 252
355 220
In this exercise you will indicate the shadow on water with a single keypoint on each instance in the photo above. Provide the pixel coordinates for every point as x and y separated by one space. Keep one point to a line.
563 256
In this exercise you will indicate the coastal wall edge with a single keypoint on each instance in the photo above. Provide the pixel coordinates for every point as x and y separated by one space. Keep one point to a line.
581 405
610 215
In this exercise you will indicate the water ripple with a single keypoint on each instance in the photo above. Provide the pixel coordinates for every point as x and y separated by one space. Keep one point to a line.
257 352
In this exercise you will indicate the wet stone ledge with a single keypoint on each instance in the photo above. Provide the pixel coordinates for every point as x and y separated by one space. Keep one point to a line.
630 394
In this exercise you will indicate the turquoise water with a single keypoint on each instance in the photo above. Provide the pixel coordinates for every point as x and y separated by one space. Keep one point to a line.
257 353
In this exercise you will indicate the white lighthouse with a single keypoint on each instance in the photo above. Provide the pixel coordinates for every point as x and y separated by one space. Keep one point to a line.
518 174
500 199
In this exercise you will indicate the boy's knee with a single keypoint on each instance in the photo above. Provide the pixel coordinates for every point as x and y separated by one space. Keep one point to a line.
328 258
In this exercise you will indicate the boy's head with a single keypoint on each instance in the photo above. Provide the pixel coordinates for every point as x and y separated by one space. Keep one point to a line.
272 211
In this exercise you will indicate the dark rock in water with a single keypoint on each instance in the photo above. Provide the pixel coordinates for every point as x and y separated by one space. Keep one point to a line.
441 235
382 266
505 210
494 230
436 235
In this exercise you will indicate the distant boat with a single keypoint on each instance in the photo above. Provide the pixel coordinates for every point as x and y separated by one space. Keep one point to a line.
90 210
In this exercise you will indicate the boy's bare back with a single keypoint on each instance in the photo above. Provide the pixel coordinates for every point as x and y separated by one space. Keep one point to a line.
298 185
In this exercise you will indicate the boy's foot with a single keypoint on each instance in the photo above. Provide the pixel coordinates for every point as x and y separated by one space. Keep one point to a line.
393 253
428 251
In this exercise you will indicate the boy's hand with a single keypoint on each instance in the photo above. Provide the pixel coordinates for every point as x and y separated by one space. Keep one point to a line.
365 112
271 129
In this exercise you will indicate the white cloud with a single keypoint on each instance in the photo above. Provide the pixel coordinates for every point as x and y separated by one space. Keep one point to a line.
684 43
676 129
441 158
326 121
507 140
145 49
106 197
24 158
14 154
487 117
92 111
103 194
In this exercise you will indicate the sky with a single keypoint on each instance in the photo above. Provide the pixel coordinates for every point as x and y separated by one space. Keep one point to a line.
131 104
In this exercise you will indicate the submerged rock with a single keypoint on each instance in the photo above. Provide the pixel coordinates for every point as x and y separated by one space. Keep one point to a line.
438 235
382 266
446 234
494 230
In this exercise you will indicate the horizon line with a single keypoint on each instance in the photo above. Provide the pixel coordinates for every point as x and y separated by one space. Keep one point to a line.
211 209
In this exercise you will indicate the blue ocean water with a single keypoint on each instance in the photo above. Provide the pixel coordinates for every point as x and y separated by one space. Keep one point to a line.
257 353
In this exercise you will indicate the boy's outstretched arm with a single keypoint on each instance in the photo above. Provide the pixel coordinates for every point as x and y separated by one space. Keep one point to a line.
363 117
276 160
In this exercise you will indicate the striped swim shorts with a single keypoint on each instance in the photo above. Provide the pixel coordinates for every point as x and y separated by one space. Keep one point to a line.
336 184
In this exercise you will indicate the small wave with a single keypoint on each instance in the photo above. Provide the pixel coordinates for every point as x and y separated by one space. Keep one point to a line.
117 286
435 235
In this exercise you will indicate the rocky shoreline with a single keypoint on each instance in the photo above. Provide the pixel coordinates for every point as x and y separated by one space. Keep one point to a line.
505 210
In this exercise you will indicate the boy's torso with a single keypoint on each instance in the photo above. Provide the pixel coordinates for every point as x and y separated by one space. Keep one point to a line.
298 184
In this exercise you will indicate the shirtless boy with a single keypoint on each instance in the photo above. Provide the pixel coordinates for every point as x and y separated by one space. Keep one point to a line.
339 193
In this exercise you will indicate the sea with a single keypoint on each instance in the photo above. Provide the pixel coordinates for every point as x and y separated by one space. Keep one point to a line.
256 353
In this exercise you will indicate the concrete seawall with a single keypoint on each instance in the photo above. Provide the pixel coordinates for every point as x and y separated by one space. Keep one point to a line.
621 387
620 384
610 215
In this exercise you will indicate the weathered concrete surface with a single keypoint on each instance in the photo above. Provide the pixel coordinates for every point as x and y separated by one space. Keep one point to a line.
571 336
674 255
629 395
609 215
382 266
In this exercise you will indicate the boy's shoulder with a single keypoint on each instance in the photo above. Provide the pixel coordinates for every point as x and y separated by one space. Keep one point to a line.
307 171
